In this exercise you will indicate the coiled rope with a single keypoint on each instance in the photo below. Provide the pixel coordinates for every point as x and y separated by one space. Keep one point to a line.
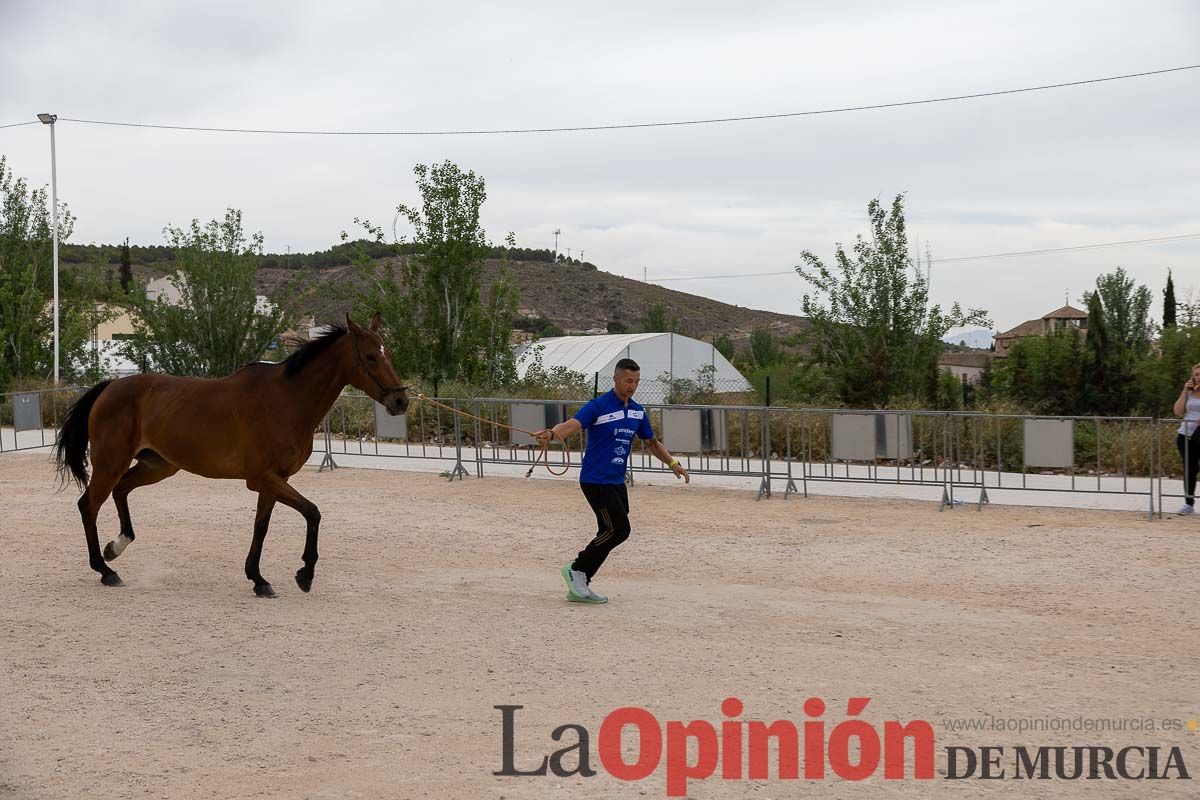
543 456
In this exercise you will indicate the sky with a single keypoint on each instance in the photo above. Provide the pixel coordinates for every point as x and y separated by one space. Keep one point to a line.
1082 165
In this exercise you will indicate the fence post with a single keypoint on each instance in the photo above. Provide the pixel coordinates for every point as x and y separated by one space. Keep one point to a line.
596 386
790 488
478 440
764 487
459 471
947 474
327 461
1156 447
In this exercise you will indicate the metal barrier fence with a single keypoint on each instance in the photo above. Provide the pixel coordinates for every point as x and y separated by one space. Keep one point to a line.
30 420
962 454
979 453
1186 437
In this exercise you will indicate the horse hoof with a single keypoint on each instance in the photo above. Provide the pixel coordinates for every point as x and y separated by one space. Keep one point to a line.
304 582
265 590
109 552
112 579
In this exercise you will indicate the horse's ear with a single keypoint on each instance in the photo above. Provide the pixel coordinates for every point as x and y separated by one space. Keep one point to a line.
351 325
375 322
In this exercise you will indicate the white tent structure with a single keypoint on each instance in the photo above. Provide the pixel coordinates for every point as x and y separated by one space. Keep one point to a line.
661 356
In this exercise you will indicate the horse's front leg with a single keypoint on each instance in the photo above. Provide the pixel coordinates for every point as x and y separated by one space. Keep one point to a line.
283 492
262 520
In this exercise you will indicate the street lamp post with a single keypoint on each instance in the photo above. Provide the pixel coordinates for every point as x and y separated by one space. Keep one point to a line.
49 119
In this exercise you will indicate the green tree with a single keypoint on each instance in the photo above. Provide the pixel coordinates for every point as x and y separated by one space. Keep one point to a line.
1126 310
656 320
1126 319
1188 311
217 324
985 389
27 291
386 287
1099 357
724 345
496 365
948 391
1043 374
440 323
764 348
1169 303
126 268
871 322
791 383
1160 379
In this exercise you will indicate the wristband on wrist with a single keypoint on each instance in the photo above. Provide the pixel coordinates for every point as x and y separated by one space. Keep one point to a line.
674 462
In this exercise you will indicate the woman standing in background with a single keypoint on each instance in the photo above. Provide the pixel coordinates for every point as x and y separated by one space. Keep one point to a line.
1188 438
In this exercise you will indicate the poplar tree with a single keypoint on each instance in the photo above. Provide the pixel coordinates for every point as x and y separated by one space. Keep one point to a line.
217 325
872 326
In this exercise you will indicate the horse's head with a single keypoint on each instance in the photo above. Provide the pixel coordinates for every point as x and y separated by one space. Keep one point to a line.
372 371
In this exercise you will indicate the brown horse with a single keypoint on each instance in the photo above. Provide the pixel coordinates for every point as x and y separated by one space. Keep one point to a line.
255 425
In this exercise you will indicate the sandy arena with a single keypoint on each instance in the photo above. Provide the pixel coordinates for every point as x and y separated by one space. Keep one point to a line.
435 602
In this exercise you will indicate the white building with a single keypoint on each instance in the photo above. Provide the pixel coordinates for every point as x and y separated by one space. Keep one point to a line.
107 355
968 365
661 356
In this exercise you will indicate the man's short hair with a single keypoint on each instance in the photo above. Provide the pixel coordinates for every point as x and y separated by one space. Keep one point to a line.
629 364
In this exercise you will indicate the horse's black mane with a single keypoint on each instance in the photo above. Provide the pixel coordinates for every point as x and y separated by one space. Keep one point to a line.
312 349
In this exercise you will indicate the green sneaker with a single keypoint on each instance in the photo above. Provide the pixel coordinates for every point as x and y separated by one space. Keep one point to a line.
592 599
576 583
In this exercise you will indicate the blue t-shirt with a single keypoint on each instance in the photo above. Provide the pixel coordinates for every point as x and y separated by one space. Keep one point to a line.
610 426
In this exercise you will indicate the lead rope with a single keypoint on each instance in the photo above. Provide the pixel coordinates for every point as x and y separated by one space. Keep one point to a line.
543 456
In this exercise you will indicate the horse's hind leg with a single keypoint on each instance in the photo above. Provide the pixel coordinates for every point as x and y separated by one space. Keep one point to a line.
104 478
150 468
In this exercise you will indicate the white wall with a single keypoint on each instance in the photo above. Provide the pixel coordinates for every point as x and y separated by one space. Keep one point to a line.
972 373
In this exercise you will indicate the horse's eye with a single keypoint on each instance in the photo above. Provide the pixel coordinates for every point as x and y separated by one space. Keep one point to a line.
372 358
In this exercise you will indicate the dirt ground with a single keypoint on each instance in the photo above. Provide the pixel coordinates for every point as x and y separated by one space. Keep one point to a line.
435 602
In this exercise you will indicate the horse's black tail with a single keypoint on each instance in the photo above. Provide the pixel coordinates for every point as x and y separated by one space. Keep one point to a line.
70 449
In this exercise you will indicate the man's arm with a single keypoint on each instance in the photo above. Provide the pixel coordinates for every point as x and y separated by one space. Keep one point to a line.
560 431
664 455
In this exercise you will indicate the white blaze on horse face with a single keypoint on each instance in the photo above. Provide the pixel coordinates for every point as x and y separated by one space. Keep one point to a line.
119 544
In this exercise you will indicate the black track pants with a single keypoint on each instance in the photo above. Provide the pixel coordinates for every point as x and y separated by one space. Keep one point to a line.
610 502
1189 451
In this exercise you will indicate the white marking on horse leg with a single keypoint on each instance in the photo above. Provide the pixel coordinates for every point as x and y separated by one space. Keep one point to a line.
119 544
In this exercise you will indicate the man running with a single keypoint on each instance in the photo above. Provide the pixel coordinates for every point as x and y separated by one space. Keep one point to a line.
611 420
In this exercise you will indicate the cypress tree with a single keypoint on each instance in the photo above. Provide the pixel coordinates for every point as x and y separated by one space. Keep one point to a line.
1169 303
126 268
1098 354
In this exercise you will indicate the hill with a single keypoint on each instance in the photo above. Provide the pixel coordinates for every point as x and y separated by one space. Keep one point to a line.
978 339
576 297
